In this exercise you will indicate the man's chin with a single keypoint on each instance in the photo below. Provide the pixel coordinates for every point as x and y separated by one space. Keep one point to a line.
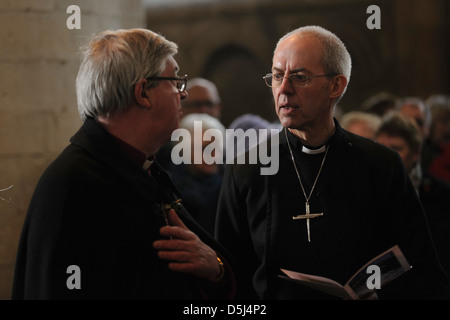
287 122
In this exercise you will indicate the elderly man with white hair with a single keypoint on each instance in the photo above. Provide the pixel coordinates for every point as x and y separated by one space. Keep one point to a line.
105 222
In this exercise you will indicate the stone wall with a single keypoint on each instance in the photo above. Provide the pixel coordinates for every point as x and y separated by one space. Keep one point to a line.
39 61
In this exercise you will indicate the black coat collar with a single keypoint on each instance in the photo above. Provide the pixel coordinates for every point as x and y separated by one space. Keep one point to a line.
99 144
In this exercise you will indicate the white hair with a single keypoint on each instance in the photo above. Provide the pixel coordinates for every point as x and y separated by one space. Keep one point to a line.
207 122
336 59
372 120
113 62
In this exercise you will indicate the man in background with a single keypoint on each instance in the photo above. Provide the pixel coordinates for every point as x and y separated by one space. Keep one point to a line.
203 98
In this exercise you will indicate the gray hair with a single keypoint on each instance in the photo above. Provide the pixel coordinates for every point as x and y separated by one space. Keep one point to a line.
112 63
336 59
372 120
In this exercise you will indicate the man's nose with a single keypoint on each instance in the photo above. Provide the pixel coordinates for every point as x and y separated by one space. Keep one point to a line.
286 85
183 95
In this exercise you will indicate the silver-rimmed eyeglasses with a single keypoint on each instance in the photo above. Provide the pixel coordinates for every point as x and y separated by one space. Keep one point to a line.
180 82
296 79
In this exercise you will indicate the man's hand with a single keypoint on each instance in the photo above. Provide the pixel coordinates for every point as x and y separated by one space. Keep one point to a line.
186 251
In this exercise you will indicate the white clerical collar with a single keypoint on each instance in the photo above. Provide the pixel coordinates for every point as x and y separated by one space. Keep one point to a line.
314 151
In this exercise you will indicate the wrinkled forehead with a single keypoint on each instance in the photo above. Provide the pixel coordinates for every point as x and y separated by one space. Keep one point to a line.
298 52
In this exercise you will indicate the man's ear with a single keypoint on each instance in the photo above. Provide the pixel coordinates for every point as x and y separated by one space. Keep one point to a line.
338 86
141 94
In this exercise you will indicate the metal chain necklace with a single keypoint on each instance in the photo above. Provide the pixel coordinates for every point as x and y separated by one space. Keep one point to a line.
307 215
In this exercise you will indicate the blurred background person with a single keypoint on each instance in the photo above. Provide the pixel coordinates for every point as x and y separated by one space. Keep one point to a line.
199 183
380 103
361 123
437 152
245 122
416 109
401 134
203 97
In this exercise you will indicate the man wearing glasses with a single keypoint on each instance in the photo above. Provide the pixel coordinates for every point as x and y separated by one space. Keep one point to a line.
105 222
337 201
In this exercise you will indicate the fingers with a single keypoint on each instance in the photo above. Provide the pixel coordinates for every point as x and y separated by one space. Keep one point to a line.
181 238
176 233
185 251
197 259
176 228
183 256
178 256
174 220
173 245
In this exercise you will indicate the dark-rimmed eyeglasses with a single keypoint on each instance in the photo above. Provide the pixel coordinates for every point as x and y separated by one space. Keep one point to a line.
296 79
180 82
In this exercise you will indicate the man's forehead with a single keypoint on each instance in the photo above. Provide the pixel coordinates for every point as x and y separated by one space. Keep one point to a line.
298 53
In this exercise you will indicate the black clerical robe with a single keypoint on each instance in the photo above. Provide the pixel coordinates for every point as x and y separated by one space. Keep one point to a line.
94 208
368 205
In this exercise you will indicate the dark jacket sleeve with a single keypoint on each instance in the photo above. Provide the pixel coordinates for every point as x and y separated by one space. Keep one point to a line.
233 232
86 215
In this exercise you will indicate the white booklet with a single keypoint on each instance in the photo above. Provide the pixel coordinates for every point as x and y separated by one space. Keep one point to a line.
391 263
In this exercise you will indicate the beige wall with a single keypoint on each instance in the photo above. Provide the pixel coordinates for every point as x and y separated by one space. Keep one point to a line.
38 65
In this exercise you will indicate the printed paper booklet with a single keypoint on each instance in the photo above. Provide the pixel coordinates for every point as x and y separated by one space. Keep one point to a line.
392 263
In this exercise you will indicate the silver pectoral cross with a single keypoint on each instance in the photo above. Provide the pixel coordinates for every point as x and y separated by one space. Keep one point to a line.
307 216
